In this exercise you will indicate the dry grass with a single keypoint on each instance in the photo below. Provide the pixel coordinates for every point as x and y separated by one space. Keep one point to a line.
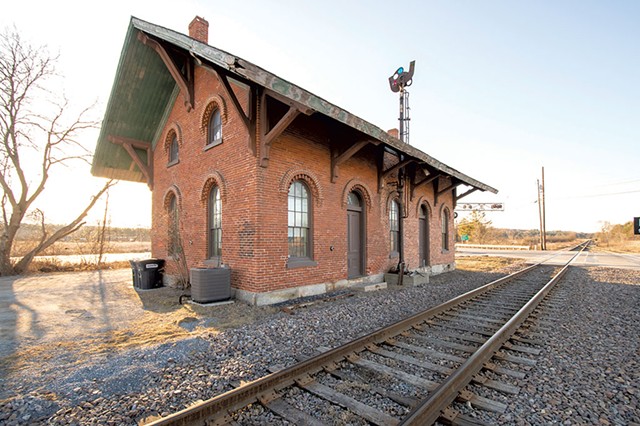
617 247
52 265
60 248
484 263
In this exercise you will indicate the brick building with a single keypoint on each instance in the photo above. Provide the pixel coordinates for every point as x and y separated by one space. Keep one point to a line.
296 195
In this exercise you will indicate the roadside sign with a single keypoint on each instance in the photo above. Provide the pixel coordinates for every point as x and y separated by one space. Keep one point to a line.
483 207
636 225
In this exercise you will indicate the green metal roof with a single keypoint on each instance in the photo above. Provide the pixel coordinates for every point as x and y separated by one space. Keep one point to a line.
143 90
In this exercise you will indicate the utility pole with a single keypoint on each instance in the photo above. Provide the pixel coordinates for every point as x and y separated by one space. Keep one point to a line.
540 214
544 215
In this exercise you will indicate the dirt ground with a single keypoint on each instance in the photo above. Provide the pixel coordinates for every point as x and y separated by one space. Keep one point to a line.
98 311
93 312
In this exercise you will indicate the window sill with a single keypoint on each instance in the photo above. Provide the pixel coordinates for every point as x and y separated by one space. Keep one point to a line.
294 263
172 163
213 144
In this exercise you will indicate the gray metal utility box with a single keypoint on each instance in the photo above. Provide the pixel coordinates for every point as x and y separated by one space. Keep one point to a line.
210 284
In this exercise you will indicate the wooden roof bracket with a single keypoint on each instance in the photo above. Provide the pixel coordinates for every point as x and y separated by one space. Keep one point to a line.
287 101
439 192
464 194
380 167
432 176
448 188
338 159
185 83
267 137
130 146
436 184
384 173
395 167
248 119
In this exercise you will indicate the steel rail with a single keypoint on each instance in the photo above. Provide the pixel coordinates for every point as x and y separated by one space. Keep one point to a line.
432 408
219 406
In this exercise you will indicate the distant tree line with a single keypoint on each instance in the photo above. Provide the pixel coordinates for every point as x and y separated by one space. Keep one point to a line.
616 234
88 233
477 229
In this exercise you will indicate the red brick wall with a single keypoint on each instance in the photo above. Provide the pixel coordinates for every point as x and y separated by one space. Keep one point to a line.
254 198
231 164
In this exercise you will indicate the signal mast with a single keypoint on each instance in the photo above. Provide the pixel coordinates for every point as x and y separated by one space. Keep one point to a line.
398 82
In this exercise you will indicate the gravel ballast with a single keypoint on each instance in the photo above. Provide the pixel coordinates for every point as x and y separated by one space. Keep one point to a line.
571 382
589 370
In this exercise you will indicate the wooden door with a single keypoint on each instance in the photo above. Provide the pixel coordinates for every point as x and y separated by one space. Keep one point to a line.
354 244
423 237
355 237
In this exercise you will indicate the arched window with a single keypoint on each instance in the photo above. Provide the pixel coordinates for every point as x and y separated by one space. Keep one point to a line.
445 229
394 226
173 228
353 200
215 223
299 232
214 130
173 149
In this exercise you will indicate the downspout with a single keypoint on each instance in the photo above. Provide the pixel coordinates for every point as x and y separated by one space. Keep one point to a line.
401 264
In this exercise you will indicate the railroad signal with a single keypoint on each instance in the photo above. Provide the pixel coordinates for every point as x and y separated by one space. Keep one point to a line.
401 78
636 225
398 82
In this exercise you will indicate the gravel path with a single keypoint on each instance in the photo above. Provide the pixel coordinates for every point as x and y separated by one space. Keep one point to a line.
130 386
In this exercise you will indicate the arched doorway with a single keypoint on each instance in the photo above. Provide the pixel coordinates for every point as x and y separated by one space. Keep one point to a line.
423 236
355 235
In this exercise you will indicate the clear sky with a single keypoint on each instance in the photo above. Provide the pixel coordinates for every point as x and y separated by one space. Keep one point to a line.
501 88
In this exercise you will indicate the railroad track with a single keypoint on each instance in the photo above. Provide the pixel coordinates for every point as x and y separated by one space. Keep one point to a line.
443 364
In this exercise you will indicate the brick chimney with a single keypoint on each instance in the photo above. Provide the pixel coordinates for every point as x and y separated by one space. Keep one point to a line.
394 132
199 29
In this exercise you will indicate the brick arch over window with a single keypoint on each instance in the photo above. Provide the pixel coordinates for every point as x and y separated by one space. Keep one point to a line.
392 195
361 187
307 177
422 201
213 179
443 207
166 198
173 130
214 102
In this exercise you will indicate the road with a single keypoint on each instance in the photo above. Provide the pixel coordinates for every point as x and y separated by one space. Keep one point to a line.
560 257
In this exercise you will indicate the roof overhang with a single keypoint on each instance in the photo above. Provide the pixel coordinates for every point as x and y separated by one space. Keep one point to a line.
144 90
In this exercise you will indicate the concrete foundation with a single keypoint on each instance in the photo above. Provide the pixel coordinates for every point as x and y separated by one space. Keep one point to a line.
277 296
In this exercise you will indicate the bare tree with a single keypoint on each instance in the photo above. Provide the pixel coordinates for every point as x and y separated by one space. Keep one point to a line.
33 131
104 234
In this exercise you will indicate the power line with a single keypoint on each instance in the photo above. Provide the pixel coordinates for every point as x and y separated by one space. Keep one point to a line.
624 182
599 195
